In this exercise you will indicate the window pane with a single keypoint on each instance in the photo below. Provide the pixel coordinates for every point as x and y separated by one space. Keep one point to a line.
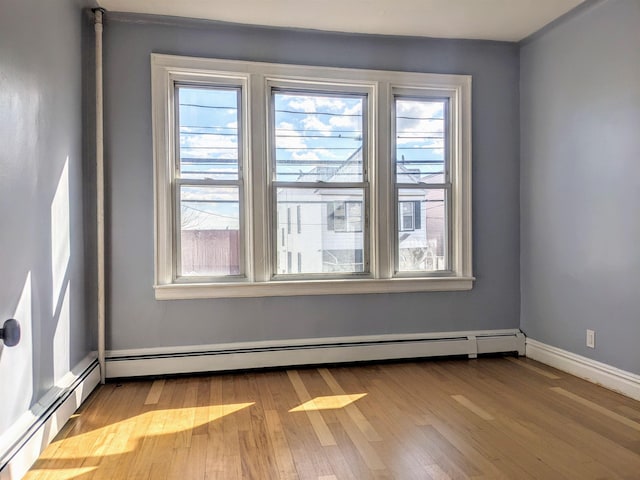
422 248
318 137
330 236
420 140
209 231
208 132
407 214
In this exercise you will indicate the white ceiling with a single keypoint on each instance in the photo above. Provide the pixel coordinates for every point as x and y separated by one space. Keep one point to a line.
510 20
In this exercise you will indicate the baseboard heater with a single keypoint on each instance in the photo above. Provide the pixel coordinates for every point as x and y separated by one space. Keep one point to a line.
242 356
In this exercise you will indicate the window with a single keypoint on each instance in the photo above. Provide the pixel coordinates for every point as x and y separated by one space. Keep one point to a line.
208 182
318 164
422 153
409 215
365 174
288 221
344 216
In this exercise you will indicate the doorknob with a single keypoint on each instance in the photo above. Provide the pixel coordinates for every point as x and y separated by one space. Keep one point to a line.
10 333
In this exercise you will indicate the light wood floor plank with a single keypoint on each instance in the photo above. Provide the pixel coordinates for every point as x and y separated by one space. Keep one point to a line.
533 368
154 392
465 402
436 473
232 461
594 406
305 447
630 412
319 426
280 446
352 409
366 450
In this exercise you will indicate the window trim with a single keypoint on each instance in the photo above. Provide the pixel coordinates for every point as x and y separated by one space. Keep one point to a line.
255 77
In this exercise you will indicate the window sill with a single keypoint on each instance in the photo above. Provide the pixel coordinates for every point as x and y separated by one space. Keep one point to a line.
311 287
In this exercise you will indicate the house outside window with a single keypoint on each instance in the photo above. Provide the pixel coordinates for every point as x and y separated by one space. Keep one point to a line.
371 168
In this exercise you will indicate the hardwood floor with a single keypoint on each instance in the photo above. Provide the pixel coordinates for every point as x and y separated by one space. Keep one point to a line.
493 418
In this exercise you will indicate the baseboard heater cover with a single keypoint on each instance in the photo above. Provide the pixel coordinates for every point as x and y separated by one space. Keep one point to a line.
23 443
241 356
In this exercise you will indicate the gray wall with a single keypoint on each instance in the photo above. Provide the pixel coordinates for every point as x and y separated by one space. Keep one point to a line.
580 184
41 210
136 319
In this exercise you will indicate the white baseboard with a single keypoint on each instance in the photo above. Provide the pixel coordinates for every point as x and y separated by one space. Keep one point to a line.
610 377
239 356
26 439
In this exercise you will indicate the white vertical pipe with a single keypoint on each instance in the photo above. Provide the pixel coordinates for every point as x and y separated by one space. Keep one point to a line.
100 193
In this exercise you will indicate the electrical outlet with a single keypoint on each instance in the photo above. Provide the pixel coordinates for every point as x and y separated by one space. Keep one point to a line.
591 338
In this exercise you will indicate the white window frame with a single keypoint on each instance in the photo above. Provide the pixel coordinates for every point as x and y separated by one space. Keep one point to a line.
452 173
256 80
239 182
329 86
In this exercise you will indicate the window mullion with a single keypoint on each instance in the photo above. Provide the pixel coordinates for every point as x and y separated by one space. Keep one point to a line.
261 181
382 189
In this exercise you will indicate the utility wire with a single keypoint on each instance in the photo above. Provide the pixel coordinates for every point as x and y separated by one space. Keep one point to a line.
320 113
217 107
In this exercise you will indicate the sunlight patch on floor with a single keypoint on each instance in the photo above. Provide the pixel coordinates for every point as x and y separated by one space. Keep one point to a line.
124 436
63 473
329 402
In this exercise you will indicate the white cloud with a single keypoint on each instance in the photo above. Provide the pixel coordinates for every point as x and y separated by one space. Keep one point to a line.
211 194
310 104
293 142
327 123
289 138
312 136
419 108
421 125
349 122
206 146
312 122
306 155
